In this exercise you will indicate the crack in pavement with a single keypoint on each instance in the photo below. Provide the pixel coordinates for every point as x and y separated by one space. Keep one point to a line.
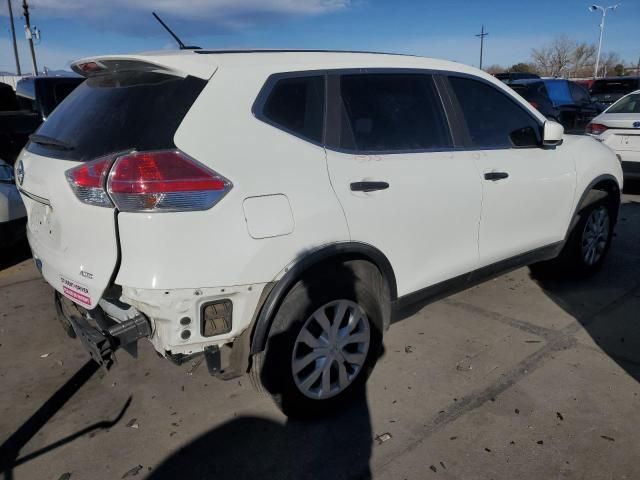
556 340
510 321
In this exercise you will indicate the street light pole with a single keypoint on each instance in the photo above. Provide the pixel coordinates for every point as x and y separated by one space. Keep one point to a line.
13 37
604 10
482 34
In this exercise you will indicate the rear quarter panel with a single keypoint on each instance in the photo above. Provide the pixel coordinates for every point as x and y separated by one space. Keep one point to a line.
214 247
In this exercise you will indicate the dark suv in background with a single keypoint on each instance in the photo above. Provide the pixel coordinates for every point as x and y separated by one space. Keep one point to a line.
560 100
610 90
22 111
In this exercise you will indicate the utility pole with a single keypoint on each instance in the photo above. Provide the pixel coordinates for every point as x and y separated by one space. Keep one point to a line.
27 30
482 34
13 36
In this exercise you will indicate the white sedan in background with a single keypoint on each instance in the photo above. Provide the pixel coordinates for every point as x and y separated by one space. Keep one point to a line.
618 127
13 216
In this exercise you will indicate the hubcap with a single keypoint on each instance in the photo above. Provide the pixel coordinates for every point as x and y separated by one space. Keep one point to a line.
331 349
595 236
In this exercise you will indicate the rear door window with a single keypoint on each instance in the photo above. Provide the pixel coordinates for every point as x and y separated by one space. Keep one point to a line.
117 112
492 118
297 105
391 112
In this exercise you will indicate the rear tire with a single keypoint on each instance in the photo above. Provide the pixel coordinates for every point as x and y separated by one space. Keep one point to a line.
324 341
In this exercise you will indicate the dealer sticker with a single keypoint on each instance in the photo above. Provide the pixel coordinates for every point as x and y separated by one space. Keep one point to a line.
75 291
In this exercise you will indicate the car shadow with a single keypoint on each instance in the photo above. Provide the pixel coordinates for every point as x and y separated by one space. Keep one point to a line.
607 304
10 256
336 447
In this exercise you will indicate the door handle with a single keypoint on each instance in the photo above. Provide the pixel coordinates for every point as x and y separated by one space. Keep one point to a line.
495 176
368 186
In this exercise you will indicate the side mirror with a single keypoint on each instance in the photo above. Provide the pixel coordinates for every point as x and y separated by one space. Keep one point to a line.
553 134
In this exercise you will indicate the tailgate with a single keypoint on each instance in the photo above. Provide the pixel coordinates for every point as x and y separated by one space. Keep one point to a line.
125 105
76 244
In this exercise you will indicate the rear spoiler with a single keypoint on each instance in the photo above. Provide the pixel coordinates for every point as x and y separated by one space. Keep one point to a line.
89 68
178 65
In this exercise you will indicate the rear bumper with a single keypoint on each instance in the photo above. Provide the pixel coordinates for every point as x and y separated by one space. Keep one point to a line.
12 232
178 316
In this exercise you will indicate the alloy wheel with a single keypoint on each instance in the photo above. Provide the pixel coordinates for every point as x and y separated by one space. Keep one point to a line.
331 349
595 236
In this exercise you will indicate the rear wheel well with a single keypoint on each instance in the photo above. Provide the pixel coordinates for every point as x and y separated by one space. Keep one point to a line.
369 264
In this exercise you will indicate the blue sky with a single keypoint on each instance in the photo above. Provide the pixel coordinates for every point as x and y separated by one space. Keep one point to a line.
76 28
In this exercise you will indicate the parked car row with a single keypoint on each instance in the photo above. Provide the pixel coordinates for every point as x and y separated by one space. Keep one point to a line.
561 100
572 103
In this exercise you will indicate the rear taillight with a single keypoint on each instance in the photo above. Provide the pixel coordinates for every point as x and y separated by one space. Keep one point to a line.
596 128
160 181
87 181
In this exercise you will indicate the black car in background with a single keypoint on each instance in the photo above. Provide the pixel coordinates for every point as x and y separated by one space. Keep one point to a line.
610 90
511 76
561 100
22 111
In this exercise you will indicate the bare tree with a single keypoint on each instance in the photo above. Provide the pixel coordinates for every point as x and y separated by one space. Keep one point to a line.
554 59
608 63
583 59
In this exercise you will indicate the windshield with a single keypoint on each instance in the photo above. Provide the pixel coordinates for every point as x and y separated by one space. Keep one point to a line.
629 104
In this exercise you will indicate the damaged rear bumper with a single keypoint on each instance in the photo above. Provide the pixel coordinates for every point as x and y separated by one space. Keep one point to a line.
100 335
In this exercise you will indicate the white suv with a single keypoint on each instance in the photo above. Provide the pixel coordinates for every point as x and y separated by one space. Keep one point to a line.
272 209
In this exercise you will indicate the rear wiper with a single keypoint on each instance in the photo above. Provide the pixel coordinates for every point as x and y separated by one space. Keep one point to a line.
50 142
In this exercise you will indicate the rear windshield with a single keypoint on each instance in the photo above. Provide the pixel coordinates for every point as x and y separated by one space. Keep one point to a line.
615 86
118 112
629 104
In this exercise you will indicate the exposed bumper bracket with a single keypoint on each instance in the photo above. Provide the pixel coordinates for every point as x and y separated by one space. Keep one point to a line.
105 337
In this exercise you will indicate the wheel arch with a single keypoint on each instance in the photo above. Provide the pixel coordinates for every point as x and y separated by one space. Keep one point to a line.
325 256
603 186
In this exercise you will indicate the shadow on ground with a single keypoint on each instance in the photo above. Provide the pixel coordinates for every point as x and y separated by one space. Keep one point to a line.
10 256
10 450
338 447
607 305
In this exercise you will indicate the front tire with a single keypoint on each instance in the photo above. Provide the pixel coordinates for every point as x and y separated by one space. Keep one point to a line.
324 341
587 245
